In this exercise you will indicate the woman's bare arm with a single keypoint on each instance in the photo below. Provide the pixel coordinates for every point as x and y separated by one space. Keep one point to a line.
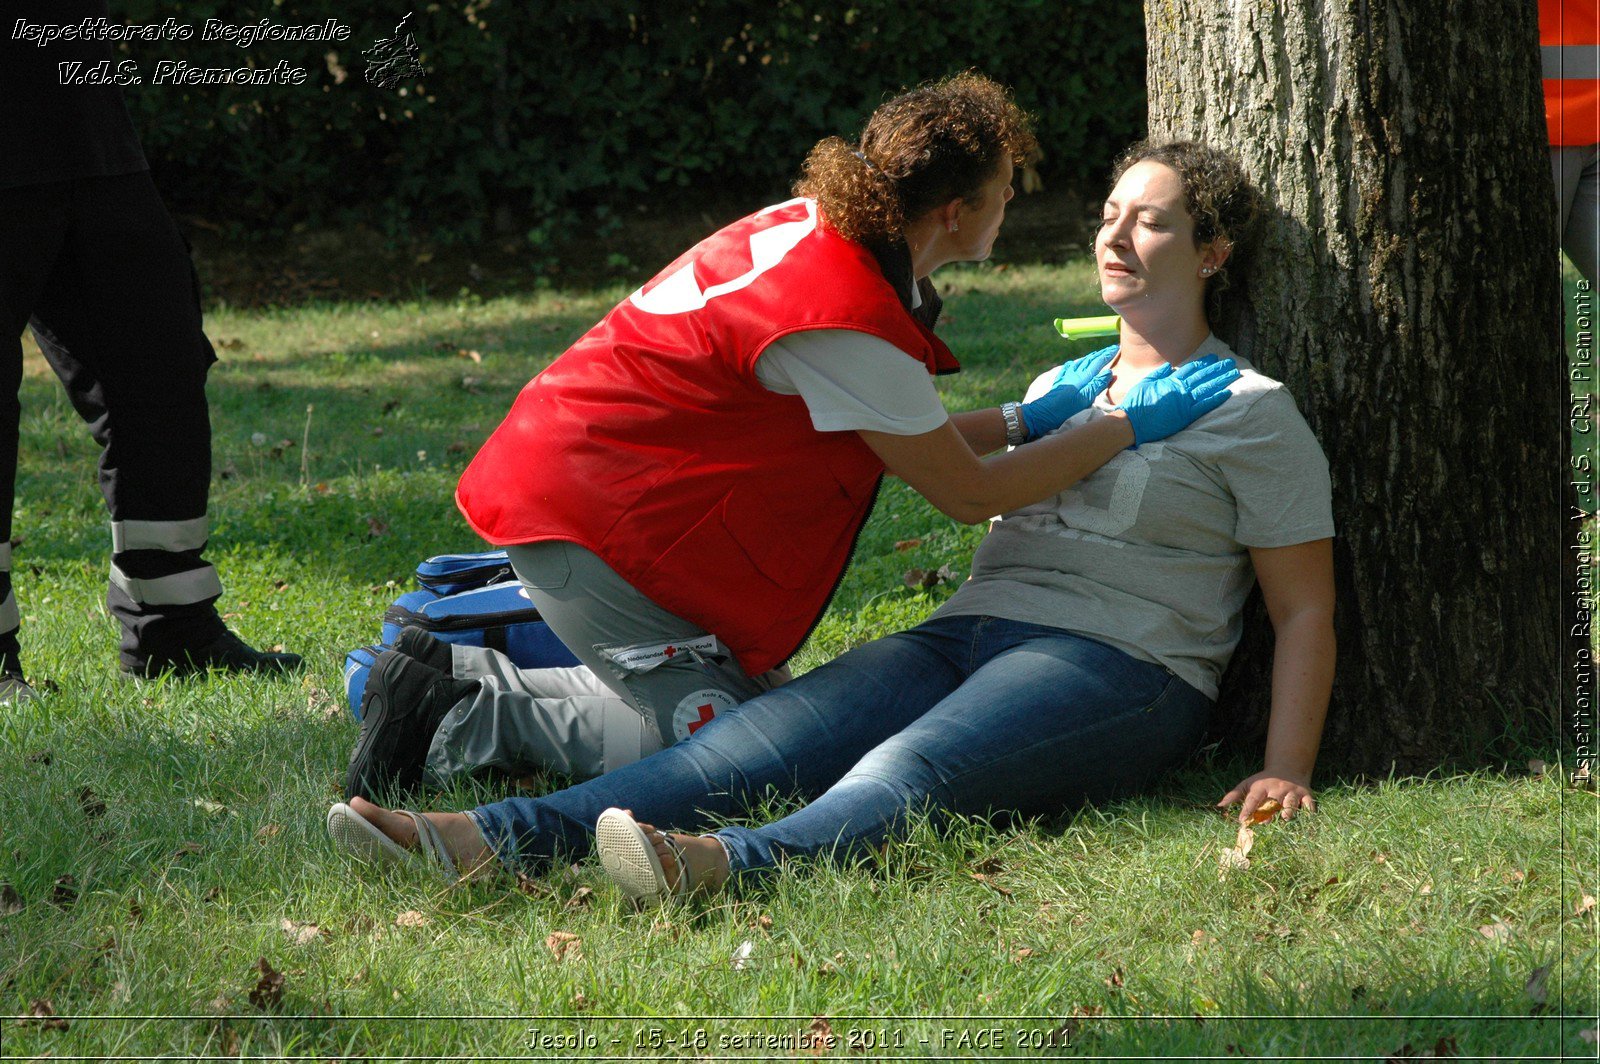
942 468
1297 585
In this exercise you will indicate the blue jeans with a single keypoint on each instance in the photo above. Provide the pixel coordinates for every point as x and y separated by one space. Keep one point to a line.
961 715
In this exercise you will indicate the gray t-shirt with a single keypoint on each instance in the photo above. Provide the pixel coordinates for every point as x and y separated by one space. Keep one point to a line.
1149 553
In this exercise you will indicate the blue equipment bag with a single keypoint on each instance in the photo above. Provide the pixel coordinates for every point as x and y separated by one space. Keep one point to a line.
465 599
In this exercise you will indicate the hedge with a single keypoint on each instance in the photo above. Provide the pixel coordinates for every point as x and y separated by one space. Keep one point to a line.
533 113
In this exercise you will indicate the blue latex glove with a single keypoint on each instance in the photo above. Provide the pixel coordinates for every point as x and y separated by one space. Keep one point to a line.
1168 400
1072 392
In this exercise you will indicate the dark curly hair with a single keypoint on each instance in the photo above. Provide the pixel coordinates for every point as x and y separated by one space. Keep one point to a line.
919 150
1219 196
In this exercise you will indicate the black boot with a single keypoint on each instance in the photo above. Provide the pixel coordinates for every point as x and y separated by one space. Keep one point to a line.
416 643
225 651
401 708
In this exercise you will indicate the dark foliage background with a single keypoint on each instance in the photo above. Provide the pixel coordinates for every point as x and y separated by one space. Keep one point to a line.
536 115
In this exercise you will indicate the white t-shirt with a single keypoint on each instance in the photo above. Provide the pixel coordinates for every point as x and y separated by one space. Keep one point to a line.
1150 553
852 380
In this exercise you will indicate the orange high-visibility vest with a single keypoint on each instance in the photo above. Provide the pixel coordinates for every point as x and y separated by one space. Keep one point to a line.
1569 40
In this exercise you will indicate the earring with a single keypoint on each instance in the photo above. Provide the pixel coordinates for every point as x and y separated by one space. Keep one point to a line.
954 227
1208 271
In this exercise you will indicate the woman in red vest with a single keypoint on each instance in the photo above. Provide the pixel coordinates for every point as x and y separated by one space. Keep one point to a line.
681 490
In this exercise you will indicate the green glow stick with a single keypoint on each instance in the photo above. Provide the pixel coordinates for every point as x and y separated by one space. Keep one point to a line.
1088 328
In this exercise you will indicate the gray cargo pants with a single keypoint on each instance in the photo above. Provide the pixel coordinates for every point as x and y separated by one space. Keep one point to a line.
648 679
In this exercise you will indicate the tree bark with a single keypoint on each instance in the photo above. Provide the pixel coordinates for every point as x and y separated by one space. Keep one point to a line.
1408 293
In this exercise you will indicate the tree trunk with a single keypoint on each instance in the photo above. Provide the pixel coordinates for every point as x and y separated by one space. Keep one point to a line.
1408 293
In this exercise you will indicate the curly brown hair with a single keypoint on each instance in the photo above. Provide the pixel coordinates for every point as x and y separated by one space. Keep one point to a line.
920 150
1220 198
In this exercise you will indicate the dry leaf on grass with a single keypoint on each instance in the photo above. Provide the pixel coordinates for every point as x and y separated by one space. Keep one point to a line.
301 933
1237 855
581 898
268 991
42 1011
741 956
1584 904
907 544
91 804
1266 811
925 579
819 1037
1498 931
564 945
1592 1035
1536 987
412 918
206 805
1021 954
267 832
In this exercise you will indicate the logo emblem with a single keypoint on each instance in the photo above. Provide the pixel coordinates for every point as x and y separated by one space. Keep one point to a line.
697 709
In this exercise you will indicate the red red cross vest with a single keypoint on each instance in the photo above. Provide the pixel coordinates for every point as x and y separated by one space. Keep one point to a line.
651 443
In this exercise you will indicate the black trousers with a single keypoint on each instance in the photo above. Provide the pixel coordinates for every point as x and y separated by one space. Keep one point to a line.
98 270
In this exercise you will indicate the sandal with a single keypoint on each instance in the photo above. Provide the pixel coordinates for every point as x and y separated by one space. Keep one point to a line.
359 837
629 858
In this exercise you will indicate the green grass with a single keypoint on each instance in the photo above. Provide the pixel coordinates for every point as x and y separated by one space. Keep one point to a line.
1107 933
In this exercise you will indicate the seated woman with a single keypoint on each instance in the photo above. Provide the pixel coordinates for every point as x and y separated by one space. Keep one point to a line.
1079 661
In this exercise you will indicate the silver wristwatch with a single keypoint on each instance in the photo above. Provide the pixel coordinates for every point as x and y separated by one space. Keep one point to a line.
1016 431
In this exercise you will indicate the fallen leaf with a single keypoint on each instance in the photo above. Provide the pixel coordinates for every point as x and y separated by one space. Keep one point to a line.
1266 811
1536 767
1592 1035
580 898
989 866
765 922
65 891
907 544
564 945
468 354
301 933
1237 855
188 849
1022 953
10 900
268 991
1585 903
581 1003
1536 983
42 1011
412 918
206 805
741 956
1197 938
267 831
213 894
1495 932
819 1037
926 579
230 344
91 804
231 1046
376 528
988 881
1114 980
